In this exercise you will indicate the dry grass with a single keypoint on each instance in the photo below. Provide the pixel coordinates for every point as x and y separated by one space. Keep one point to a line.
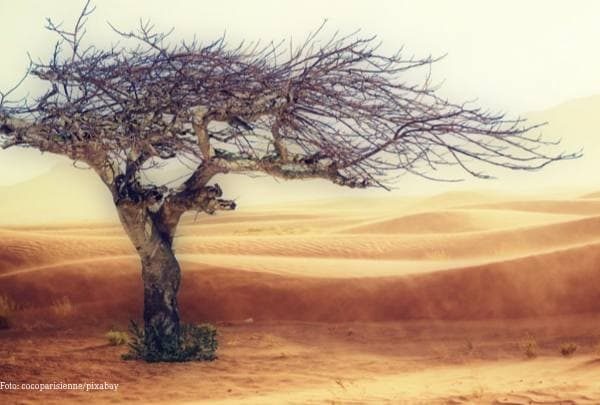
117 338
568 349
62 307
7 308
469 346
529 347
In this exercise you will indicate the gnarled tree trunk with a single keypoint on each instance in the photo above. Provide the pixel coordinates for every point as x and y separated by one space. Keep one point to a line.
150 219
161 274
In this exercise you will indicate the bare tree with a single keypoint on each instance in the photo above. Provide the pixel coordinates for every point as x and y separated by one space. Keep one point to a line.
334 109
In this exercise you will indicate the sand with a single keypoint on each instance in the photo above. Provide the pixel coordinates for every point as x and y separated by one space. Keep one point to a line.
421 301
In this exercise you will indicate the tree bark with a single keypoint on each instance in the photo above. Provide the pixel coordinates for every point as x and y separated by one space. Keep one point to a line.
161 275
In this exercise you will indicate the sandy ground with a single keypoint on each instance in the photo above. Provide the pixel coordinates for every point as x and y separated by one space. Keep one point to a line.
433 300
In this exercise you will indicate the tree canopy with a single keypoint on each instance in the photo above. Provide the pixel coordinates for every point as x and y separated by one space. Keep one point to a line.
334 109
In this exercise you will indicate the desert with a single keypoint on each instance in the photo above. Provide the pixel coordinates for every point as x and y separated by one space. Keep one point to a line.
341 202
464 302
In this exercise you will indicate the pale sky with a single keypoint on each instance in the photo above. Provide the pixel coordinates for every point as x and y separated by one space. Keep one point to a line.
515 56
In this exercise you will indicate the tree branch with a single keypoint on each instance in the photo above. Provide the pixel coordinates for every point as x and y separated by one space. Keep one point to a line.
333 108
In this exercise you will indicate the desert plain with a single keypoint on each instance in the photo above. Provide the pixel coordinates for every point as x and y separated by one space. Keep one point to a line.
457 298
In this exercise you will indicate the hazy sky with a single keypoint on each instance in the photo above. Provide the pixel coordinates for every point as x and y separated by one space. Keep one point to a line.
516 56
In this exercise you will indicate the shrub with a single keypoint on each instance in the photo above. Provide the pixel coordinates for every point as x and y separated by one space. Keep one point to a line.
7 308
62 307
469 346
194 342
567 349
529 346
117 338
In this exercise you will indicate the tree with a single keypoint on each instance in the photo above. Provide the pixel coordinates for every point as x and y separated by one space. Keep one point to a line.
334 109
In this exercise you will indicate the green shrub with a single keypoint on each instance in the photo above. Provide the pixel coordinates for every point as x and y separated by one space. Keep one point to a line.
194 342
117 338
567 349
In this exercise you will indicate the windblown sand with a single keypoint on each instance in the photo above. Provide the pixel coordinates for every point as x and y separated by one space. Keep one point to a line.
430 300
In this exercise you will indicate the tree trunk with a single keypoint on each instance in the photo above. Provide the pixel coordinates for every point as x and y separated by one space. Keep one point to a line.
160 273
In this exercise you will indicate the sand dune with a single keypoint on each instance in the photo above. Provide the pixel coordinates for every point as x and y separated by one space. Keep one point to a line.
591 196
573 207
506 243
423 303
64 194
558 283
455 221
27 248
457 198
388 203
309 263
